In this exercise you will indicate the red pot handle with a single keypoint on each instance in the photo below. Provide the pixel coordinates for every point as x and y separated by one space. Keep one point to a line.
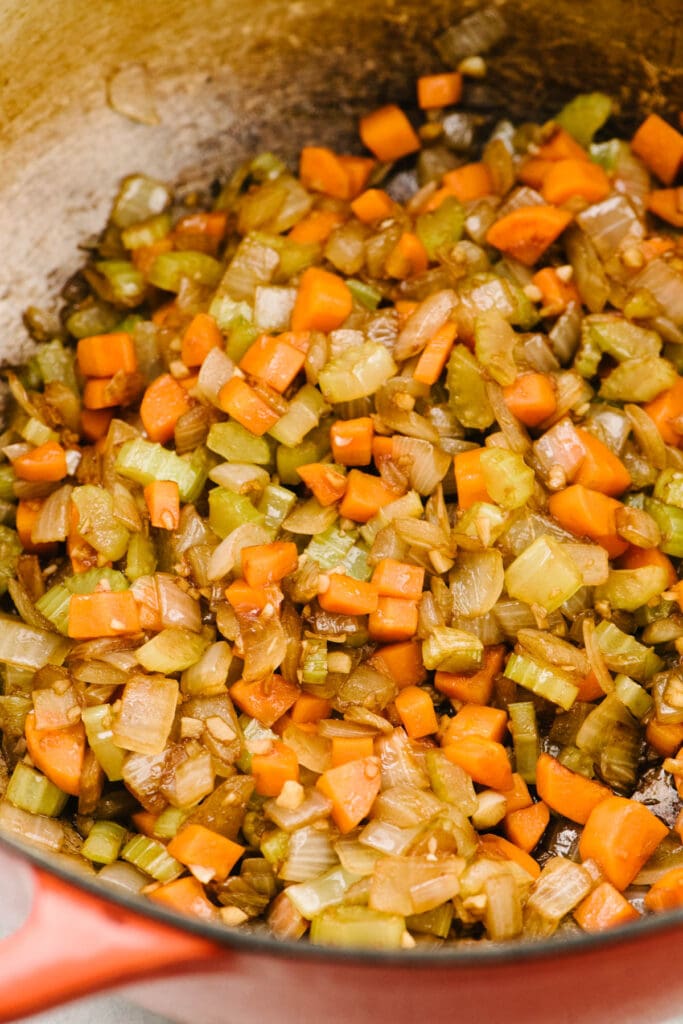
73 944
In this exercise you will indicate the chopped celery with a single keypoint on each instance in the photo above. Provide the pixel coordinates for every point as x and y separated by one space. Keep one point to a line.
585 115
483 523
638 380
7 481
146 461
235 443
594 730
229 313
98 729
54 605
274 847
669 487
141 557
56 363
467 390
169 821
633 696
355 926
507 478
29 647
577 761
623 653
450 782
242 333
311 449
295 257
146 232
228 510
525 741
30 790
452 650
543 574
253 263
432 922
276 503
363 293
441 227
36 432
613 335
330 548
409 506
150 856
169 269
104 842
494 344
10 549
356 372
303 415
311 898
89 581
266 167
124 284
93 317
356 563
139 197
544 680
97 522
172 650
314 661
630 589
669 519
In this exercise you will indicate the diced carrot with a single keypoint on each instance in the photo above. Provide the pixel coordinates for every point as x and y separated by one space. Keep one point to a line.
359 169
273 361
273 769
416 711
382 449
98 394
308 707
660 147
244 598
46 462
469 182
265 699
589 687
573 177
327 483
469 478
323 301
666 411
162 405
316 226
143 257
58 753
365 496
667 203
621 835
600 469
199 847
498 846
525 826
566 792
350 748
241 402
476 720
474 687
556 294
300 340
408 258
587 513
561 146
402 662
103 355
434 355
352 788
83 556
398 579
94 423
186 896
405 309
388 133
533 170
351 441
103 613
667 892
486 761
163 501
528 231
345 595
145 822
517 796
321 170
203 230
531 398
604 908
373 205
268 563
201 335
655 246
442 90
664 737
394 619
678 825
639 558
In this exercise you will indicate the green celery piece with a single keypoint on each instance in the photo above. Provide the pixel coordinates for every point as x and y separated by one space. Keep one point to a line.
7 512
356 563
10 549
619 338
126 284
623 653
652 613
172 650
494 344
633 696
242 333
228 510
303 415
543 574
442 227
669 487
482 522
491 290
7 480
104 842
139 197
94 318
54 605
524 730
638 380
467 390
235 443
585 115
150 856
267 167
450 782
169 269
146 461
507 478
432 922
630 589
365 294
577 761
30 790
276 503
169 822
331 547
274 846
356 926
146 232
544 680
36 432
141 557
312 449
605 153
452 650
669 519
56 362
295 257
98 729
356 372
314 662
87 582
98 523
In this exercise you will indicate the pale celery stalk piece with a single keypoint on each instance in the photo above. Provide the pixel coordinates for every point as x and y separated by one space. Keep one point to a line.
544 680
669 487
525 739
275 504
235 443
544 574
31 791
508 479
29 647
494 344
304 413
331 547
98 728
146 461
452 650
467 389
314 663
669 519
357 372
54 605
172 650
356 926
150 856
633 696
623 653
104 842
169 821
630 589
312 897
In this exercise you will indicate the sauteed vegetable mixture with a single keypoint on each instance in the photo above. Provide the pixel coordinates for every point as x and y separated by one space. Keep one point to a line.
342 517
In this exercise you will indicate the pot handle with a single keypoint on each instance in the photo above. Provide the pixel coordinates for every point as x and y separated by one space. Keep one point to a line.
73 944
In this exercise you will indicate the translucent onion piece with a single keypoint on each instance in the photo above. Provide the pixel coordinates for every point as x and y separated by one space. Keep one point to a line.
413 885
665 284
406 806
313 751
123 876
647 436
264 645
426 465
209 674
394 404
146 713
309 517
29 647
608 223
424 323
52 523
503 918
310 898
591 560
559 888
226 557
176 607
309 855
313 807
355 857
544 646
130 92
476 582
387 838
215 371
399 763
36 829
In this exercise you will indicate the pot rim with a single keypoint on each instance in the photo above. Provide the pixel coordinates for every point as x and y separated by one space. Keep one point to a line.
470 956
